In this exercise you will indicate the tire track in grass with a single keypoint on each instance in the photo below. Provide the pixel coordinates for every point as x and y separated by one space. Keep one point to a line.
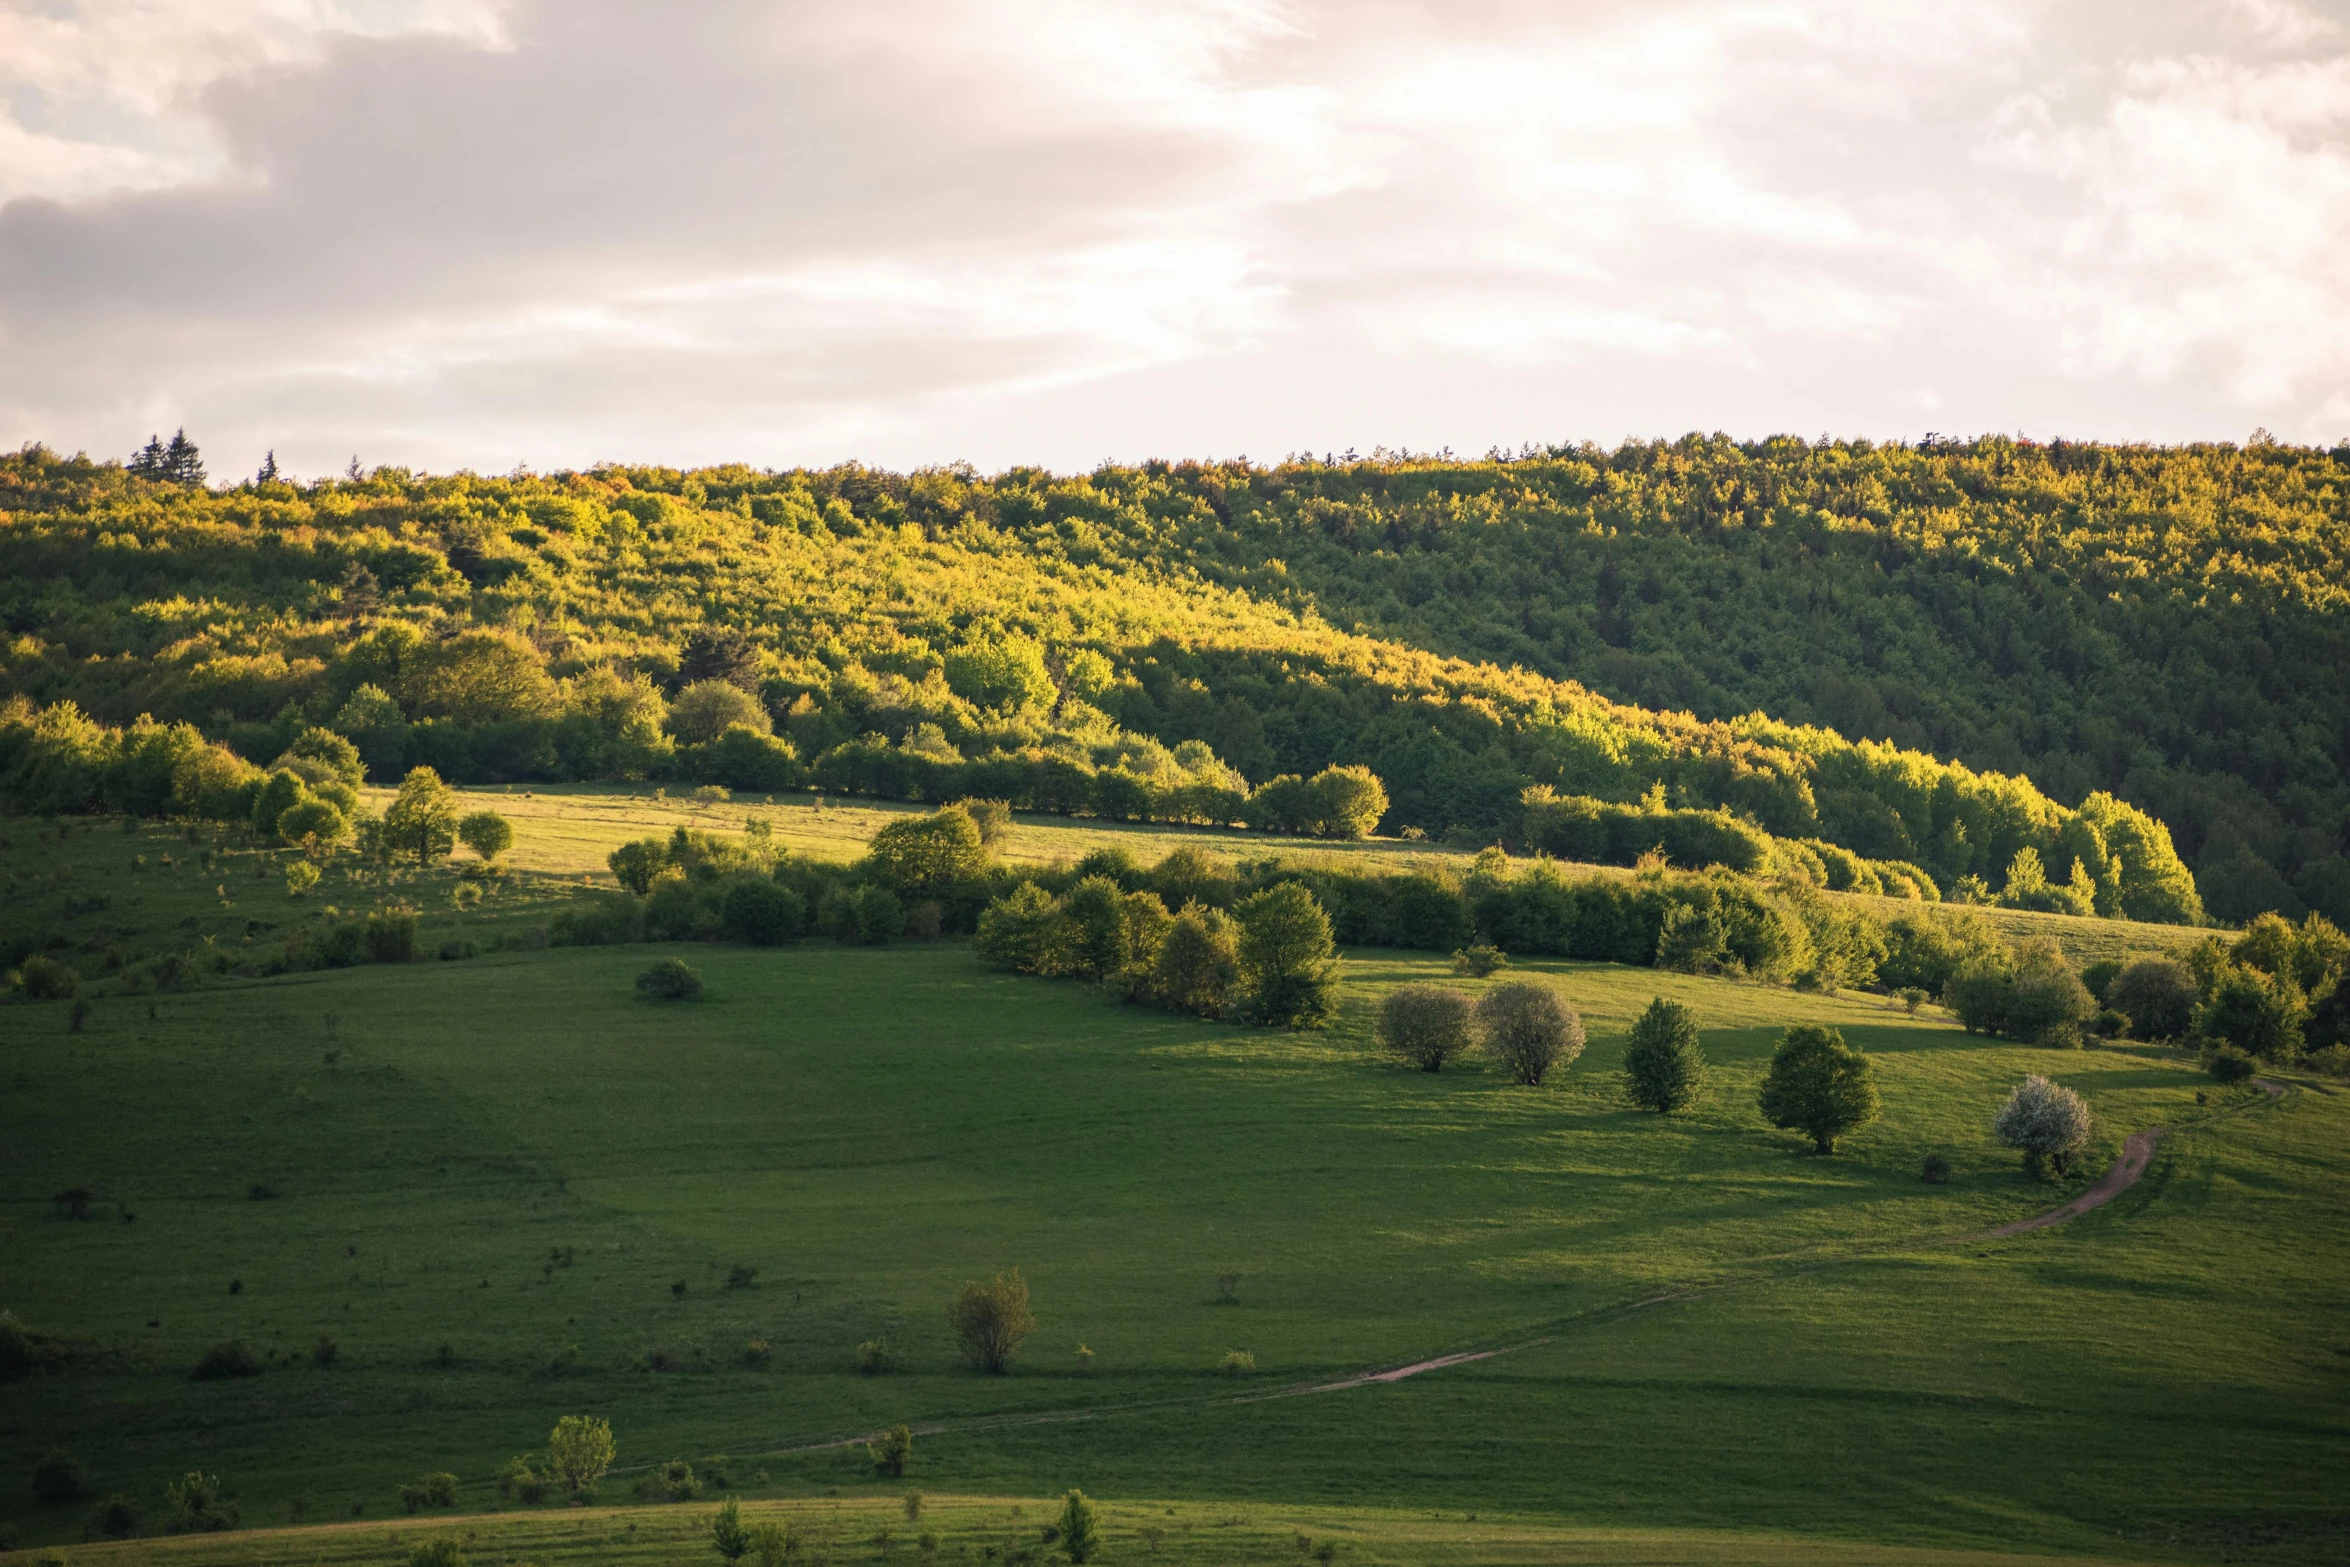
2137 1156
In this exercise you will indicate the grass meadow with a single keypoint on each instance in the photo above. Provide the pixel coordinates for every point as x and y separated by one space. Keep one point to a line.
508 1189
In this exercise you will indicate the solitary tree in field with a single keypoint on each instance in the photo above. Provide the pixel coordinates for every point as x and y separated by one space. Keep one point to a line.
1427 1025
1081 1531
990 1320
1528 1030
487 834
580 1451
728 1537
422 818
929 856
636 864
2045 1120
1663 1066
1818 1085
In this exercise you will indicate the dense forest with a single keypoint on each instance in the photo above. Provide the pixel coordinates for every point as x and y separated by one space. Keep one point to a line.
2079 627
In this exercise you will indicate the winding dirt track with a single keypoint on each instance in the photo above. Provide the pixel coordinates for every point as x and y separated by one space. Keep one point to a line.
2124 1173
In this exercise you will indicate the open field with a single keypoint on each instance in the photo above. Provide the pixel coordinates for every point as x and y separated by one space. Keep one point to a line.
508 1190
846 1530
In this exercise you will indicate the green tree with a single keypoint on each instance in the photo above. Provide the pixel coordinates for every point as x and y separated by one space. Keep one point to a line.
422 818
486 833
280 794
1289 976
1664 1067
1427 1025
636 864
1089 932
704 711
580 1451
1006 673
889 1449
929 856
1818 1085
759 913
314 824
1015 931
1348 801
992 1320
1080 1529
1198 962
2157 995
1528 1031
2046 1001
2260 1014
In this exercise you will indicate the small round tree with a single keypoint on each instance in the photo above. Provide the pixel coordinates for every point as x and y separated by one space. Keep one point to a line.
580 1451
889 1449
486 833
670 980
1528 1031
991 1320
728 1537
2259 1014
1426 1025
1663 1066
1818 1085
1289 973
2045 1120
636 864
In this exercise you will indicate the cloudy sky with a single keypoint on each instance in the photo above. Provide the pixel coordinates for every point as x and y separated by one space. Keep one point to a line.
485 233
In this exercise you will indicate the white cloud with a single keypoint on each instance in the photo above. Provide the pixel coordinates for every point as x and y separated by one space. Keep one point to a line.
1050 229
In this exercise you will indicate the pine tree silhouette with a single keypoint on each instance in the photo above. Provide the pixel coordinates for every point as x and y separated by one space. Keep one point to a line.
182 463
268 473
147 461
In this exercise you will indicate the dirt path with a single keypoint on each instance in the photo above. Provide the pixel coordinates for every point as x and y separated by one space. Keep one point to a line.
2137 1154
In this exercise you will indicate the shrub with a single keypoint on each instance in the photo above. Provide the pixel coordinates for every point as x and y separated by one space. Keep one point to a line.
521 1482
2332 1061
301 876
1978 992
1480 961
598 919
2229 1063
677 1480
235 1358
2109 1024
1663 1065
889 1449
443 1552
1237 1363
323 1353
1528 1031
993 818
486 833
873 1357
1081 1533
197 1507
46 979
1089 932
116 1518
1289 978
458 948
2157 995
1935 1171
929 856
759 913
670 980
390 936
991 1320
1427 1025
2047 1121
432 1490
1818 1085
1911 999
314 824
579 1451
58 1477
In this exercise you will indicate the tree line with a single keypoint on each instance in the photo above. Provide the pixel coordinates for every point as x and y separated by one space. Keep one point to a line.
1111 643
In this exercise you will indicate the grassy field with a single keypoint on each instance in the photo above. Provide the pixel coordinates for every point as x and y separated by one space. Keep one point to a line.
508 1190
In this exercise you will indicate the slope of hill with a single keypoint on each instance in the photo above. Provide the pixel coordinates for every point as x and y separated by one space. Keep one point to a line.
1107 643
2164 624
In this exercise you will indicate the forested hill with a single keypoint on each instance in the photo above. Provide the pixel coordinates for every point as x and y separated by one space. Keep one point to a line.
1156 640
2165 624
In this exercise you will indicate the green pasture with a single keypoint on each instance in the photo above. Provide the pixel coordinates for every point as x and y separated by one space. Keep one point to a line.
488 1180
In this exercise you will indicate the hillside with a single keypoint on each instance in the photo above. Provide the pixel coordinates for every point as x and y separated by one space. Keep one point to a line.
1106 645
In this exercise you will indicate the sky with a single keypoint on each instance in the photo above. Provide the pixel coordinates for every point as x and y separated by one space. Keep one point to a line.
492 234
